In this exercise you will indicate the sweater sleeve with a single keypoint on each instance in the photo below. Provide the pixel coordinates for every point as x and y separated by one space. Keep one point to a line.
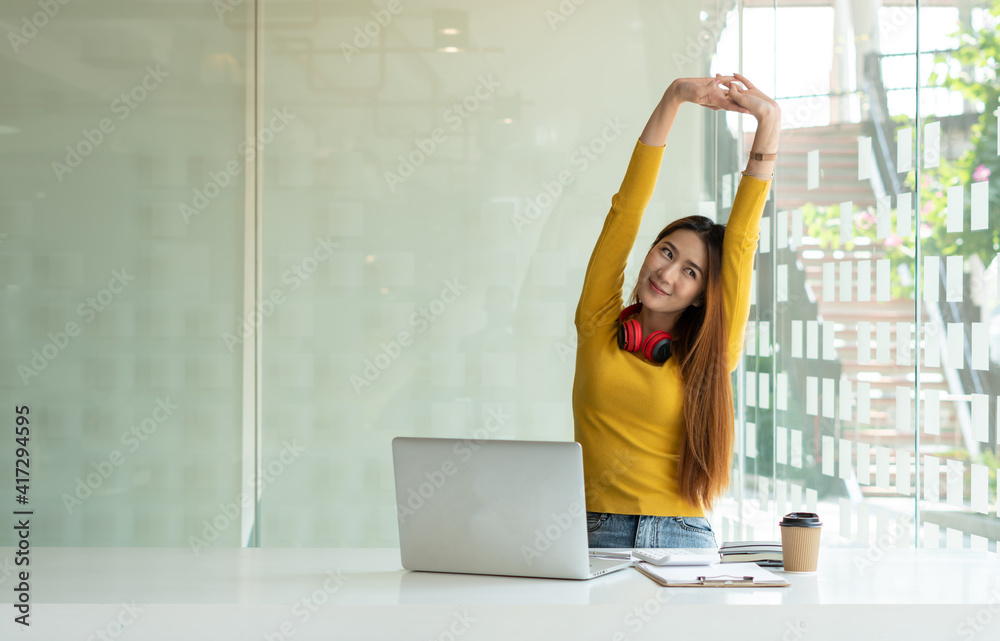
738 248
601 298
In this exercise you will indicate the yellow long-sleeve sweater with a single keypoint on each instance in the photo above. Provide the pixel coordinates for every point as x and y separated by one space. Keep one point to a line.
627 411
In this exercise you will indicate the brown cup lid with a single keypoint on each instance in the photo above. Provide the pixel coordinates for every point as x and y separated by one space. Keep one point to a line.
801 519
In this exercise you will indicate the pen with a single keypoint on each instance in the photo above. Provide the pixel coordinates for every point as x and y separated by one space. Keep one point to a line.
612 555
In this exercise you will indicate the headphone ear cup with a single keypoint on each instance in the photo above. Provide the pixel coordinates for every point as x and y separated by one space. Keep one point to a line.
629 335
656 347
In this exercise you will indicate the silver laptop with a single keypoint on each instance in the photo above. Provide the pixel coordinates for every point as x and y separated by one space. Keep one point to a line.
505 507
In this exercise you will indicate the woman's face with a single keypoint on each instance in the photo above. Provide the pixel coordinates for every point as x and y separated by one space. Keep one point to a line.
673 275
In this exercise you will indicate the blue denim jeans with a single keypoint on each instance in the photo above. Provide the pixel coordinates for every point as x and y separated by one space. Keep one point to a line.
606 530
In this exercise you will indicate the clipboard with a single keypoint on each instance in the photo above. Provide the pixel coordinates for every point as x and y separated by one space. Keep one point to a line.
728 575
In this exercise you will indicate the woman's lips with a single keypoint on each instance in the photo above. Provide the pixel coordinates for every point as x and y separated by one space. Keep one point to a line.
657 289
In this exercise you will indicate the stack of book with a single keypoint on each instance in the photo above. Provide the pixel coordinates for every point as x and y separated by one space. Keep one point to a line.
764 553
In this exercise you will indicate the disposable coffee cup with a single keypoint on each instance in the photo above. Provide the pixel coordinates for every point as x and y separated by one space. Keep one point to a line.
800 541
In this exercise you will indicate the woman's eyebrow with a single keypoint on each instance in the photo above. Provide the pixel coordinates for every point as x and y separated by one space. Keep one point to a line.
689 261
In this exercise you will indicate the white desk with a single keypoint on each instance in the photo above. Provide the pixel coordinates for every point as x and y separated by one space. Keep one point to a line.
248 594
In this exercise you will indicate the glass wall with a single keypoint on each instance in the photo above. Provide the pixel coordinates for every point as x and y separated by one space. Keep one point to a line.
243 245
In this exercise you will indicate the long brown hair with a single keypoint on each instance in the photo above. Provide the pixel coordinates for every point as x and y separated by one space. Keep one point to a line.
700 344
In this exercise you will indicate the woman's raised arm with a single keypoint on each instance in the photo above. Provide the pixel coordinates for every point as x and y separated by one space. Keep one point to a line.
707 92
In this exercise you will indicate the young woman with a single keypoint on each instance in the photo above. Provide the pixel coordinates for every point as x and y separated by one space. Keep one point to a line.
655 416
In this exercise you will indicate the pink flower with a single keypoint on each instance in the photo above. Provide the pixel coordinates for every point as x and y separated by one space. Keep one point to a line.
981 173
893 241
926 231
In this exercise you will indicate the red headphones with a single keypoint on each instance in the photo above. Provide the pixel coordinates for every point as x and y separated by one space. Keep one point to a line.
656 347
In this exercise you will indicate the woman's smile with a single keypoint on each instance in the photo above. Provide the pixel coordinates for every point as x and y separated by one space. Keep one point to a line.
657 289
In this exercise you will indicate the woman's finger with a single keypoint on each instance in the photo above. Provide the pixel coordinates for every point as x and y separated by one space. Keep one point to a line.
743 79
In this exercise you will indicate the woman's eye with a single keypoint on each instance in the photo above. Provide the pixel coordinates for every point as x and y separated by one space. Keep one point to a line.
691 273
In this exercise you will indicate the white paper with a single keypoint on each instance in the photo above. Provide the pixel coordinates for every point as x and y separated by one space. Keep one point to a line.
812 170
980 205
751 389
782 284
902 408
727 190
955 275
781 238
864 157
796 339
846 271
931 278
932 476
932 411
954 538
882 280
845 459
904 215
846 399
829 346
751 338
845 517
956 347
864 534
764 391
796 448
882 467
812 395
980 488
795 490
864 341
981 417
864 402
883 217
781 446
956 207
903 467
955 477
765 235
980 346
864 464
932 344
812 499
829 395
764 332
846 221
829 281
796 228
812 339
751 440
828 456
932 144
882 342
904 149
864 281
781 393
903 338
